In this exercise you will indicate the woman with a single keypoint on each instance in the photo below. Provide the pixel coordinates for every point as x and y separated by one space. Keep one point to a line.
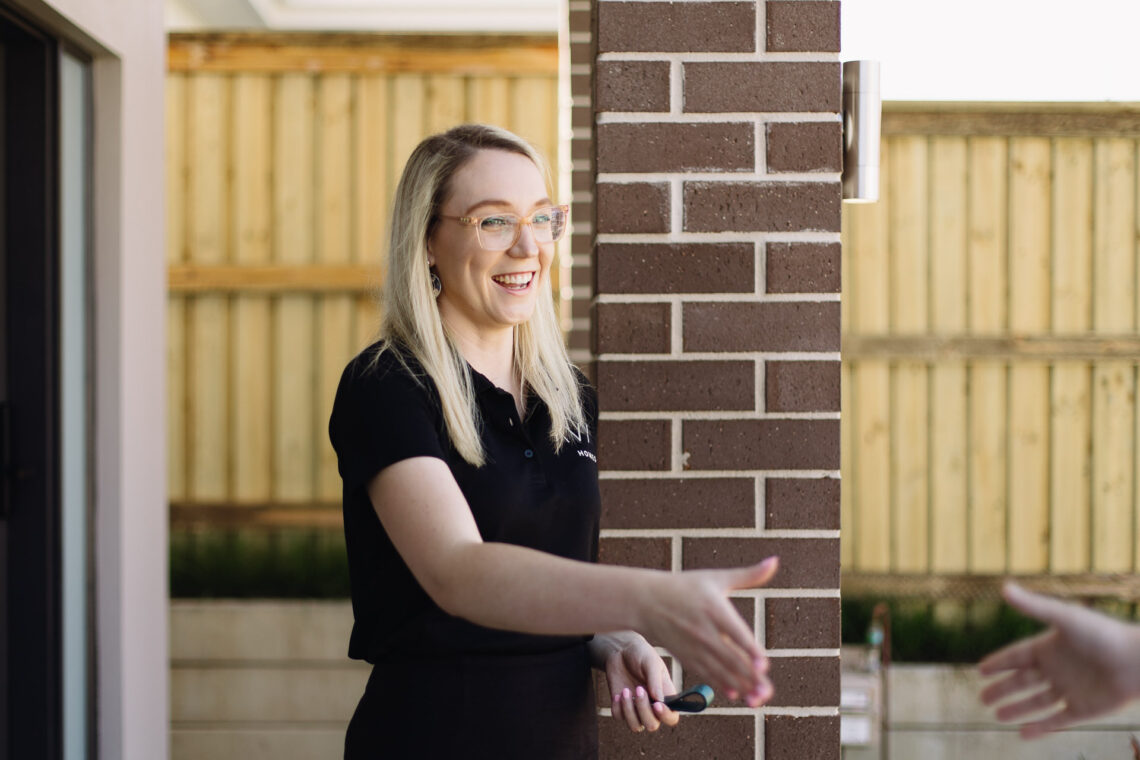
466 443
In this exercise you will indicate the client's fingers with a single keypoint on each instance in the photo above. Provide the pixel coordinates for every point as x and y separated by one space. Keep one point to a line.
1044 608
1020 654
1054 722
1031 704
1018 680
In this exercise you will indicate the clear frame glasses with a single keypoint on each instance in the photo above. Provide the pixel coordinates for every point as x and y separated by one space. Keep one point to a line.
498 232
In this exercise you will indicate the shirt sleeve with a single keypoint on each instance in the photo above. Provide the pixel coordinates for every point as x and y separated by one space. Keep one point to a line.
381 415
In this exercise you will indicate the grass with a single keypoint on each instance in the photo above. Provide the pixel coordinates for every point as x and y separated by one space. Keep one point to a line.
243 564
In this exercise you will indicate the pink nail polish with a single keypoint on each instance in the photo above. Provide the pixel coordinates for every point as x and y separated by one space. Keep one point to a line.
731 693
640 692
658 708
625 693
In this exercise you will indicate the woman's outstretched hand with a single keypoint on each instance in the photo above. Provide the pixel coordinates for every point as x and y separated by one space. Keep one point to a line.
1085 665
638 679
690 615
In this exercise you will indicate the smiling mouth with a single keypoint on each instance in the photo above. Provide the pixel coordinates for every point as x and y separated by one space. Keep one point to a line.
517 281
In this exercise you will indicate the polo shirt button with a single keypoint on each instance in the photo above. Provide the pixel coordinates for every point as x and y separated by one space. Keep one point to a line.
528 453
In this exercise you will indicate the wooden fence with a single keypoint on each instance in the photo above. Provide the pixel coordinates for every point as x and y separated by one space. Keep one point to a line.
991 344
282 155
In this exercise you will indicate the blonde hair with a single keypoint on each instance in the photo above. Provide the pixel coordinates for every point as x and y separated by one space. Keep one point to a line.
410 317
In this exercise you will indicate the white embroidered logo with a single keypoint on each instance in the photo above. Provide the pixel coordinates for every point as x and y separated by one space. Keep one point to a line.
589 455
577 437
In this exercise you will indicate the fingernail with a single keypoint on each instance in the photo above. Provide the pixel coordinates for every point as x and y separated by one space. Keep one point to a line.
625 693
640 692
616 698
731 693
658 708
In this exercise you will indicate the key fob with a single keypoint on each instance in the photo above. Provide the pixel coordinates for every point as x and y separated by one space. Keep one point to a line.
691 700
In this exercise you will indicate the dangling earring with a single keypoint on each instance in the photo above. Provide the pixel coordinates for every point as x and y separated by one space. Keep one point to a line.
436 285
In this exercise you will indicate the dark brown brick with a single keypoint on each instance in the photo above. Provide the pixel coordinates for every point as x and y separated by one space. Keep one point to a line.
581 116
590 370
804 562
678 503
676 268
803 268
580 307
582 276
801 386
635 444
805 681
802 624
677 27
761 326
631 86
582 182
750 86
579 340
801 503
746 607
723 737
811 26
653 553
581 85
787 737
645 147
581 21
770 444
581 150
633 207
682 386
580 337
762 206
582 210
582 243
633 328
805 147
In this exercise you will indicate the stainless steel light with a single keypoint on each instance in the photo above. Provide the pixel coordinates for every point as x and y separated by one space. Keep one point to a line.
862 117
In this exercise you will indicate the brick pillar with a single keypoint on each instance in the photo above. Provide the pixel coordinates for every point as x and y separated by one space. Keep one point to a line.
713 165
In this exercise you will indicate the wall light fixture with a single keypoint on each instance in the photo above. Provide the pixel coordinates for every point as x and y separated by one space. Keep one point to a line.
862 117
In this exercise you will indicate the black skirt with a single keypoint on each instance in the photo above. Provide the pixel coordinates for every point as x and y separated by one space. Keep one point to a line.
525 707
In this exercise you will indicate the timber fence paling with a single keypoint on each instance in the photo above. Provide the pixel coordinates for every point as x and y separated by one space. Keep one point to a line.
283 153
1019 223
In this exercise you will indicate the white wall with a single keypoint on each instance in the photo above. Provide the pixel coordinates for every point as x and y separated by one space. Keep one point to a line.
1005 50
127 40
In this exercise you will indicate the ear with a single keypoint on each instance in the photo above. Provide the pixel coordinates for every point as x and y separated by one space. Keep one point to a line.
431 256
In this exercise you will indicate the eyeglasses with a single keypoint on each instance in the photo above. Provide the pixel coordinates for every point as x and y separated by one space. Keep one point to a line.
501 231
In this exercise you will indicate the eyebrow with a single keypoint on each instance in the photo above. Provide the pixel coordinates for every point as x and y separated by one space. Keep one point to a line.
544 201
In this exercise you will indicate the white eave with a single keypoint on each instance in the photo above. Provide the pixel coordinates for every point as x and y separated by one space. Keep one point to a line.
399 16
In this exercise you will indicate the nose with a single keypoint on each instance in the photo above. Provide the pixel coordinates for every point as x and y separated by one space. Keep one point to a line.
525 246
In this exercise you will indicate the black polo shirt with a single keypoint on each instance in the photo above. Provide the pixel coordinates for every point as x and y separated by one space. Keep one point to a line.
525 494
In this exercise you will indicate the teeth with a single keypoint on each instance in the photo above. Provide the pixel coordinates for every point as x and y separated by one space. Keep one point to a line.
513 279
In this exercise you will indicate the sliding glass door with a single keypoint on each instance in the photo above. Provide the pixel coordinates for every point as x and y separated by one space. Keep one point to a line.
46 639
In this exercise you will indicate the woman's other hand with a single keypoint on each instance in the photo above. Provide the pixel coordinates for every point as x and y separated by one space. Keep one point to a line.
638 679
690 615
